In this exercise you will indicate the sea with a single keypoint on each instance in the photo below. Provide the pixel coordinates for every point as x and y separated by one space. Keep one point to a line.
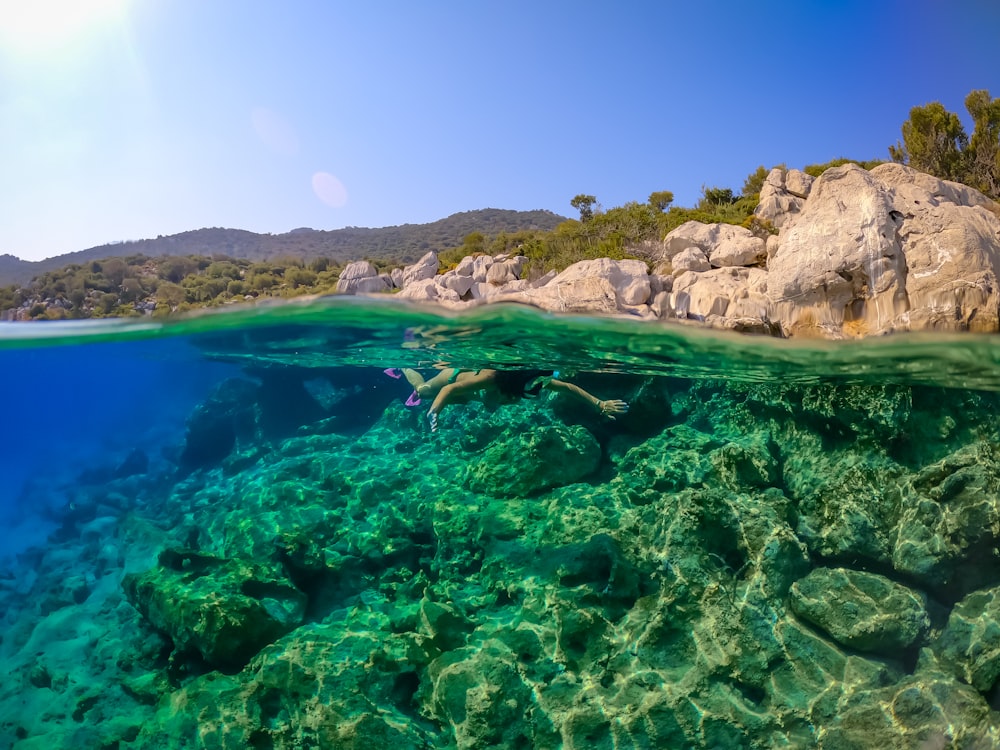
240 529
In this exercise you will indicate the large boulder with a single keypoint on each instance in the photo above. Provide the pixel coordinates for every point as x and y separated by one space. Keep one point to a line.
456 282
523 463
949 508
361 277
630 278
782 195
705 237
839 263
861 610
721 244
714 293
225 610
950 235
969 645
430 290
739 250
891 249
425 268
690 259
596 286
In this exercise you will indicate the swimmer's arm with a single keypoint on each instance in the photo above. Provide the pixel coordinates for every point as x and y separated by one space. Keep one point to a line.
607 409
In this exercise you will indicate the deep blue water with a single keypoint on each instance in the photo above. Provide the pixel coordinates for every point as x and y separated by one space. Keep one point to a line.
69 407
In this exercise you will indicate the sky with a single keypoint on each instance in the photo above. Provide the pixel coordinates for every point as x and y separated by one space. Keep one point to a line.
130 119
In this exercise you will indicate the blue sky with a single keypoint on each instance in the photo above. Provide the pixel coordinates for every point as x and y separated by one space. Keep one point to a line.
128 119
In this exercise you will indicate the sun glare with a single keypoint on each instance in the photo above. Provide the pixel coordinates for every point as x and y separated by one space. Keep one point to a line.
41 26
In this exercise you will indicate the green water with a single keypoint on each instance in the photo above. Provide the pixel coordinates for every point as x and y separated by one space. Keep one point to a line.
781 545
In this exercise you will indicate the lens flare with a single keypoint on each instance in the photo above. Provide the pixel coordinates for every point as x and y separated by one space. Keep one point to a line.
41 26
329 189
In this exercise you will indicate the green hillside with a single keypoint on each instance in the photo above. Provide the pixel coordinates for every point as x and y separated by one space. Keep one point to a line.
392 245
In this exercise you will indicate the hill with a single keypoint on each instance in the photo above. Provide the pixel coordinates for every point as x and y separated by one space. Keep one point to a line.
404 243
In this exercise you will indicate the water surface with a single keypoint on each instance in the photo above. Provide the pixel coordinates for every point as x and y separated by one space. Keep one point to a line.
230 531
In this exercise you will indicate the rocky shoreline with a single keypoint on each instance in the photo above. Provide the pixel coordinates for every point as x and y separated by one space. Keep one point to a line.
853 253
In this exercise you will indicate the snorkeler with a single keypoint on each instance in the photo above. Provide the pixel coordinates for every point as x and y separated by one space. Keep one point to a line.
429 388
510 384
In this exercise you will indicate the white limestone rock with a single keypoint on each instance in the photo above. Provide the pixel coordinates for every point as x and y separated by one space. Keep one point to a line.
739 250
360 277
425 268
726 292
501 272
783 195
705 237
465 266
950 236
840 258
480 265
690 259
798 183
428 290
459 284
629 278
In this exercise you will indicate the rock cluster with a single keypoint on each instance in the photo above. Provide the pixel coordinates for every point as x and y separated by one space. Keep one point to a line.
855 253
757 566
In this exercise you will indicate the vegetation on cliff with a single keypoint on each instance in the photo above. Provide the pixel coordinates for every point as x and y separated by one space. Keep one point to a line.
934 141
212 267
137 284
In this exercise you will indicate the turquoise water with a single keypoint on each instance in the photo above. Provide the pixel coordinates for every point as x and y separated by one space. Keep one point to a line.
232 532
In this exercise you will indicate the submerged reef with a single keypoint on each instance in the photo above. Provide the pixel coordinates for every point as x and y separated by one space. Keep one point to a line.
729 565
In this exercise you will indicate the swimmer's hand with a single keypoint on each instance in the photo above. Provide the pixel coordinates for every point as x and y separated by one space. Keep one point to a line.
432 417
612 408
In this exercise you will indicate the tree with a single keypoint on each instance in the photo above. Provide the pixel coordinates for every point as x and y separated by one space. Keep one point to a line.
933 142
661 200
754 182
983 157
175 268
474 243
114 269
585 205
171 294
714 197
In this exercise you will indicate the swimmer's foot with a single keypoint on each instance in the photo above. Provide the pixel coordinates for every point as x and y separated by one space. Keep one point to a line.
394 373
432 417
413 400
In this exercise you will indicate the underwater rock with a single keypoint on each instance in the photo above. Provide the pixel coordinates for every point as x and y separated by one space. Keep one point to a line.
71 590
969 646
480 694
860 610
949 522
524 463
599 570
749 463
925 710
846 502
682 457
348 685
136 462
214 428
446 628
223 610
